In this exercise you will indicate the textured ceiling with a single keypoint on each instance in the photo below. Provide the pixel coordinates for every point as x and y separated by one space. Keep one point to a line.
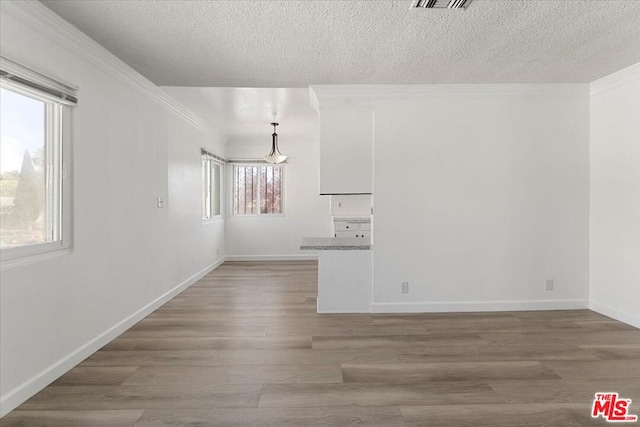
299 43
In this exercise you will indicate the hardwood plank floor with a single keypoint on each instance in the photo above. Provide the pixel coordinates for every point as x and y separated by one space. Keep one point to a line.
564 390
244 347
80 418
406 373
484 352
149 358
238 374
302 357
547 415
144 396
379 394
275 417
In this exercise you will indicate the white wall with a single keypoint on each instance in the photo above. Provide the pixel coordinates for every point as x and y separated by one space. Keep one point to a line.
615 196
131 144
307 214
351 205
194 244
481 194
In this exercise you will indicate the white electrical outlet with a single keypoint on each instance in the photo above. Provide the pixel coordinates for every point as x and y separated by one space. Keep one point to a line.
404 287
549 285
217 252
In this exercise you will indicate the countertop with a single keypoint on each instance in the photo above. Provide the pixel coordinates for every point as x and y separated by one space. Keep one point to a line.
335 244
352 219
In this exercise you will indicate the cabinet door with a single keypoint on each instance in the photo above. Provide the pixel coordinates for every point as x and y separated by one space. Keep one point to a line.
346 233
364 234
346 226
346 150
355 233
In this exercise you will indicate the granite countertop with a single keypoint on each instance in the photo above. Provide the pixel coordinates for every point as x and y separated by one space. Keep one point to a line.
335 244
352 219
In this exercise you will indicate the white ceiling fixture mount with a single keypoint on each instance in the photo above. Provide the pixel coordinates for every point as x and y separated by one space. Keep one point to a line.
440 4
274 156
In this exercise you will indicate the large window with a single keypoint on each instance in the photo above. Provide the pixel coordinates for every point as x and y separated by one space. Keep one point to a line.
34 187
258 190
211 185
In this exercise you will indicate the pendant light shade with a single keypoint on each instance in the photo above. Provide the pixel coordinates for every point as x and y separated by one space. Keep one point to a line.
274 156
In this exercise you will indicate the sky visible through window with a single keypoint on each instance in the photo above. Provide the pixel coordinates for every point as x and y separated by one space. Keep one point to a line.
22 128
22 170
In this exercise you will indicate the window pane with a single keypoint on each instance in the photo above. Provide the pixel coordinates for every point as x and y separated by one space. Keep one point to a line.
254 190
263 190
23 137
215 190
257 190
246 190
277 190
206 188
271 189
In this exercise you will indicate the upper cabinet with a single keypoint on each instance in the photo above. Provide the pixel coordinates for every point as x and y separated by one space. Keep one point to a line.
346 150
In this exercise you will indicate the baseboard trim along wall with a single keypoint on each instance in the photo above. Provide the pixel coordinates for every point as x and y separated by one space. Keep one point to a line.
294 257
20 394
614 313
463 306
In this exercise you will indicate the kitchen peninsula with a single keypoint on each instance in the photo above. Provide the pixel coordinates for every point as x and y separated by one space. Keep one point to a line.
345 276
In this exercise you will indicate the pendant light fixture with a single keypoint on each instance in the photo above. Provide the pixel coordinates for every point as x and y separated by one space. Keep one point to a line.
274 156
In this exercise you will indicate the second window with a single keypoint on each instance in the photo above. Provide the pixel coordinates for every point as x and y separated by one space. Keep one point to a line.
258 190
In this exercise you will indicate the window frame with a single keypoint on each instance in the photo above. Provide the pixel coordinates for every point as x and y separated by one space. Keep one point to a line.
283 186
207 158
58 155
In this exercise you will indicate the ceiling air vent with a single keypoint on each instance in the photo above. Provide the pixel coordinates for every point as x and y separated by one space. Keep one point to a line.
440 4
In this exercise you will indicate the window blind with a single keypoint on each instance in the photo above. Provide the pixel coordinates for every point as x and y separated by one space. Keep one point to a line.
249 161
209 155
13 74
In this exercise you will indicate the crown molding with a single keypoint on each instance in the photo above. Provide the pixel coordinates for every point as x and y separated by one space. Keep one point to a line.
371 95
39 18
618 79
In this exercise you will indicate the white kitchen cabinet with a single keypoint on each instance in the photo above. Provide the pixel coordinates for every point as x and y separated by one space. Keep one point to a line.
352 228
345 274
346 150
364 235
345 281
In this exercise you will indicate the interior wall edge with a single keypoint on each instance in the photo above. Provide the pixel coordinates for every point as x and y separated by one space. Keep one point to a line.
24 391
292 257
39 18
470 306
618 79
614 313
614 205
370 96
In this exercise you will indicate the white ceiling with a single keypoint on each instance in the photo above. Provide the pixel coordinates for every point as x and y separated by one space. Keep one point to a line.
244 114
299 43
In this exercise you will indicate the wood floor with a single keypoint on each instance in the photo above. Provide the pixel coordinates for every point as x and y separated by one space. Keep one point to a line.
244 347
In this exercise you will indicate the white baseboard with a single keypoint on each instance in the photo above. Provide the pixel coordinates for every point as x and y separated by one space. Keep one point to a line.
13 398
294 257
614 313
463 306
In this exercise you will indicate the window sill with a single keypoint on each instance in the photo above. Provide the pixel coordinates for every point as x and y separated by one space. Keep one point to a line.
33 259
212 220
263 216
